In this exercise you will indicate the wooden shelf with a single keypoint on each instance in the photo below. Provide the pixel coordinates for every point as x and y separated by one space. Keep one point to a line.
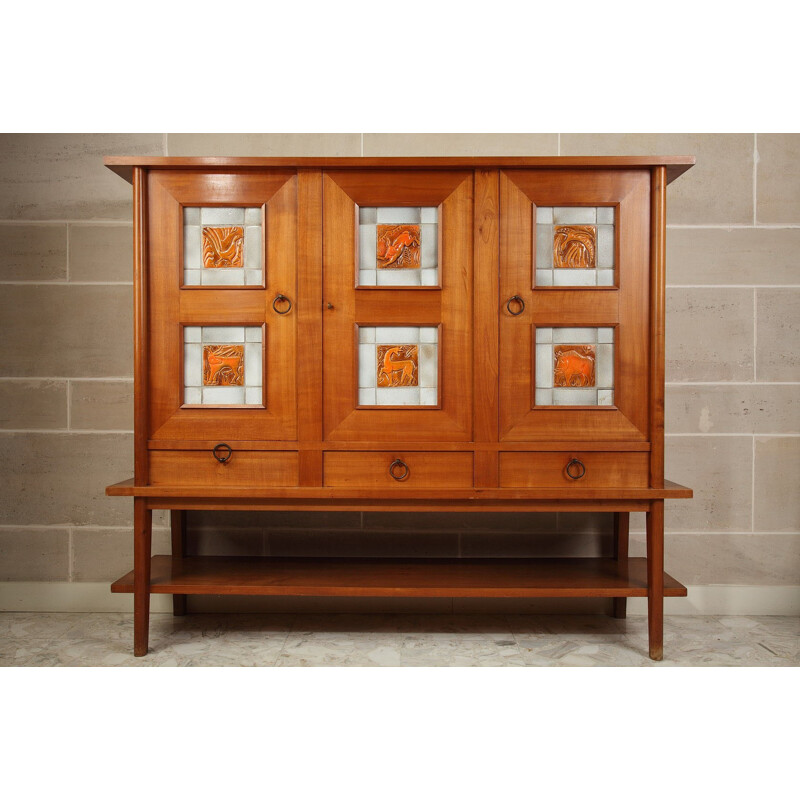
128 488
369 577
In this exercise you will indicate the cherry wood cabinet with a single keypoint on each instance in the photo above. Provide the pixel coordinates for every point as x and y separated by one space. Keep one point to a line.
399 334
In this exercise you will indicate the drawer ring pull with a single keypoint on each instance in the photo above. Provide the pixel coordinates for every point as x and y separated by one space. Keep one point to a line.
281 298
222 452
571 470
393 470
515 299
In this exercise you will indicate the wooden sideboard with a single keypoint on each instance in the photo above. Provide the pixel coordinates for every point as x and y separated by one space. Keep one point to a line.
448 334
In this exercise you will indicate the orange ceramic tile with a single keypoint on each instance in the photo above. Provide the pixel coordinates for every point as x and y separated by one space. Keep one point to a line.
223 365
397 365
574 247
398 246
574 365
223 247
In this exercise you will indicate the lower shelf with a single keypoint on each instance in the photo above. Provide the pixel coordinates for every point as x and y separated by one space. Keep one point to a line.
370 577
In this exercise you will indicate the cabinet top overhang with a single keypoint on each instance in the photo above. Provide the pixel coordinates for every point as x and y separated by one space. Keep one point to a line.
675 165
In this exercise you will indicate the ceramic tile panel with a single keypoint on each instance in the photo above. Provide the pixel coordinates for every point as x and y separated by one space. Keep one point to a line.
223 246
574 366
223 365
574 245
398 246
398 366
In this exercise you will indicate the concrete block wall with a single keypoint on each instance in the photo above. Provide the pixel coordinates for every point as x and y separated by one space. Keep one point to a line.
733 374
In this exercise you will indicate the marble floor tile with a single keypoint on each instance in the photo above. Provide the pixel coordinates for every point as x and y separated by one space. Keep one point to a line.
460 651
777 635
41 626
342 650
27 653
68 639
563 652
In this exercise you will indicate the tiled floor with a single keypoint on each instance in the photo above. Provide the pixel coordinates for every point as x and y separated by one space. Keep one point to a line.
30 640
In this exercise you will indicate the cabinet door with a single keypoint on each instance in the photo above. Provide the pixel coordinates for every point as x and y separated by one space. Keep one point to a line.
397 306
574 316
222 296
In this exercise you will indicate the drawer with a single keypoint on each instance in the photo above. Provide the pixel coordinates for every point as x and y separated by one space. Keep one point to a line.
243 468
548 470
398 470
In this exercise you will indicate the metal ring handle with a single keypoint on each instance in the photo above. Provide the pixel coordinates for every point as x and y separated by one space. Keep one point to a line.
580 466
280 298
222 452
516 298
393 472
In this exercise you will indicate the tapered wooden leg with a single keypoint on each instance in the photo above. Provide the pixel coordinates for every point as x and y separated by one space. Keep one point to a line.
621 527
177 521
655 579
142 538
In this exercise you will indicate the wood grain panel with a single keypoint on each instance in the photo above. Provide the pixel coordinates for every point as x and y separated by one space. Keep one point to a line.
236 307
172 306
548 469
572 499
375 305
141 350
345 307
309 305
658 280
485 330
625 308
371 469
198 468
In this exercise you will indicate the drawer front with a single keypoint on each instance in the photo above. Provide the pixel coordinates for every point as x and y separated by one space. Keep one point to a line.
398 470
566 470
243 468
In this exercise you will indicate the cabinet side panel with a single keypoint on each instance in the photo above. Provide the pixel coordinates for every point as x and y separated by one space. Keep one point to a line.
140 317
658 256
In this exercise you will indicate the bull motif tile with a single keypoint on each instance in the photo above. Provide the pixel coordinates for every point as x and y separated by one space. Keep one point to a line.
398 246
223 365
574 247
223 247
574 365
398 365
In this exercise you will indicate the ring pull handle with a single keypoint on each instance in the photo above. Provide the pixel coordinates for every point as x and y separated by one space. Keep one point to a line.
515 299
576 469
281 298
222 452
399 470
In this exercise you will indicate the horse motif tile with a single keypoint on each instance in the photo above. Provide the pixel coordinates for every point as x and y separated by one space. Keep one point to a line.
397 365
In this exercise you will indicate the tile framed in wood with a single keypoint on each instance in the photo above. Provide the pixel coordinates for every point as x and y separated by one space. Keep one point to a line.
574 366
398 365
575 246
223 246
398 246
223 365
